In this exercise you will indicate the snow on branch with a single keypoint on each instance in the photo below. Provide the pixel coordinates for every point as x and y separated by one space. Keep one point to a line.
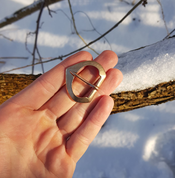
149 76
146 58
36 5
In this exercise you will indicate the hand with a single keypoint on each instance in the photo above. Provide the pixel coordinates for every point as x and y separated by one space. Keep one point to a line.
43 133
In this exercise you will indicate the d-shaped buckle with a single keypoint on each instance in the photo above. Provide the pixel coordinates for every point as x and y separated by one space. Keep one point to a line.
72 72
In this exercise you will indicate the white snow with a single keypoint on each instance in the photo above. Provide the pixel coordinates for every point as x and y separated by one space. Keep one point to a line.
147 67
24 2
134 144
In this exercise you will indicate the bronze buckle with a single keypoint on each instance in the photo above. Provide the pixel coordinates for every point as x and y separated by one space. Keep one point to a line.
72 72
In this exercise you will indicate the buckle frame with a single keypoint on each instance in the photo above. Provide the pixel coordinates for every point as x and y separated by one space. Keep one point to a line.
72 72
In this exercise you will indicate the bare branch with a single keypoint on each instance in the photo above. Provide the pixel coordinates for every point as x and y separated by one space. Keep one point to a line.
163 16
13 57
40 59
132 3
169 34
11 84
93 26
144 3
6 37
52 59
66 55
27 35
49 10
129 100
73 20
36 5
36 34
116 25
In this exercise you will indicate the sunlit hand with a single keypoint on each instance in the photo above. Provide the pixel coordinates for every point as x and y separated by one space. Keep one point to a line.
43 133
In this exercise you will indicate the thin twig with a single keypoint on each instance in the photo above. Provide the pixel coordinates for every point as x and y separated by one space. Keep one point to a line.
6 37
53 59
19 14
127 2
40 59
27 36
49 10
67 17
93 27
169 34
73 20
116 25
13 57
36 35
163 16
63 56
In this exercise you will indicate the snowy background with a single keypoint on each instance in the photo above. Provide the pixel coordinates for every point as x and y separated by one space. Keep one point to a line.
134 144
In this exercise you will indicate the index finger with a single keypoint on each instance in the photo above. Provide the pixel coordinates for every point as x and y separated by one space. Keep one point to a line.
43 88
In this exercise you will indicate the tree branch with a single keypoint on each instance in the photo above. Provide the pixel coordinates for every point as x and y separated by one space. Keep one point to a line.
116 25
169 34
24 12
66 55
6 37
10 84
93 28
73 20
126 101
13 57
36 35
163 16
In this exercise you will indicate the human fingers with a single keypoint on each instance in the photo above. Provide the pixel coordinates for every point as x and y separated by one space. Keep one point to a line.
69 122
43 88
83 136
107 59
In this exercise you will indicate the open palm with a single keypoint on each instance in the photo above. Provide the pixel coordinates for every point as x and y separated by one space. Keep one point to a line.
43 133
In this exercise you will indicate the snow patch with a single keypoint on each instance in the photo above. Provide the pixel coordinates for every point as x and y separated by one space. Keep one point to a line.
148 66
24 2
115 138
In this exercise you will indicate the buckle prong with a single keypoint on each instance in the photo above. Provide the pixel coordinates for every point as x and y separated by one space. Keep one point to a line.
72 72
84 80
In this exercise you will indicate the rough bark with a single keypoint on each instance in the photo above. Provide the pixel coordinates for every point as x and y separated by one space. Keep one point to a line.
130 100
10 84
24 12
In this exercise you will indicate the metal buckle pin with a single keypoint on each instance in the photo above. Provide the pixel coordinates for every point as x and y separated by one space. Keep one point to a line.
72 72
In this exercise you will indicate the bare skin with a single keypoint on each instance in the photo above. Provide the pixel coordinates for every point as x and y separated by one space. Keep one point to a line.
43 133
